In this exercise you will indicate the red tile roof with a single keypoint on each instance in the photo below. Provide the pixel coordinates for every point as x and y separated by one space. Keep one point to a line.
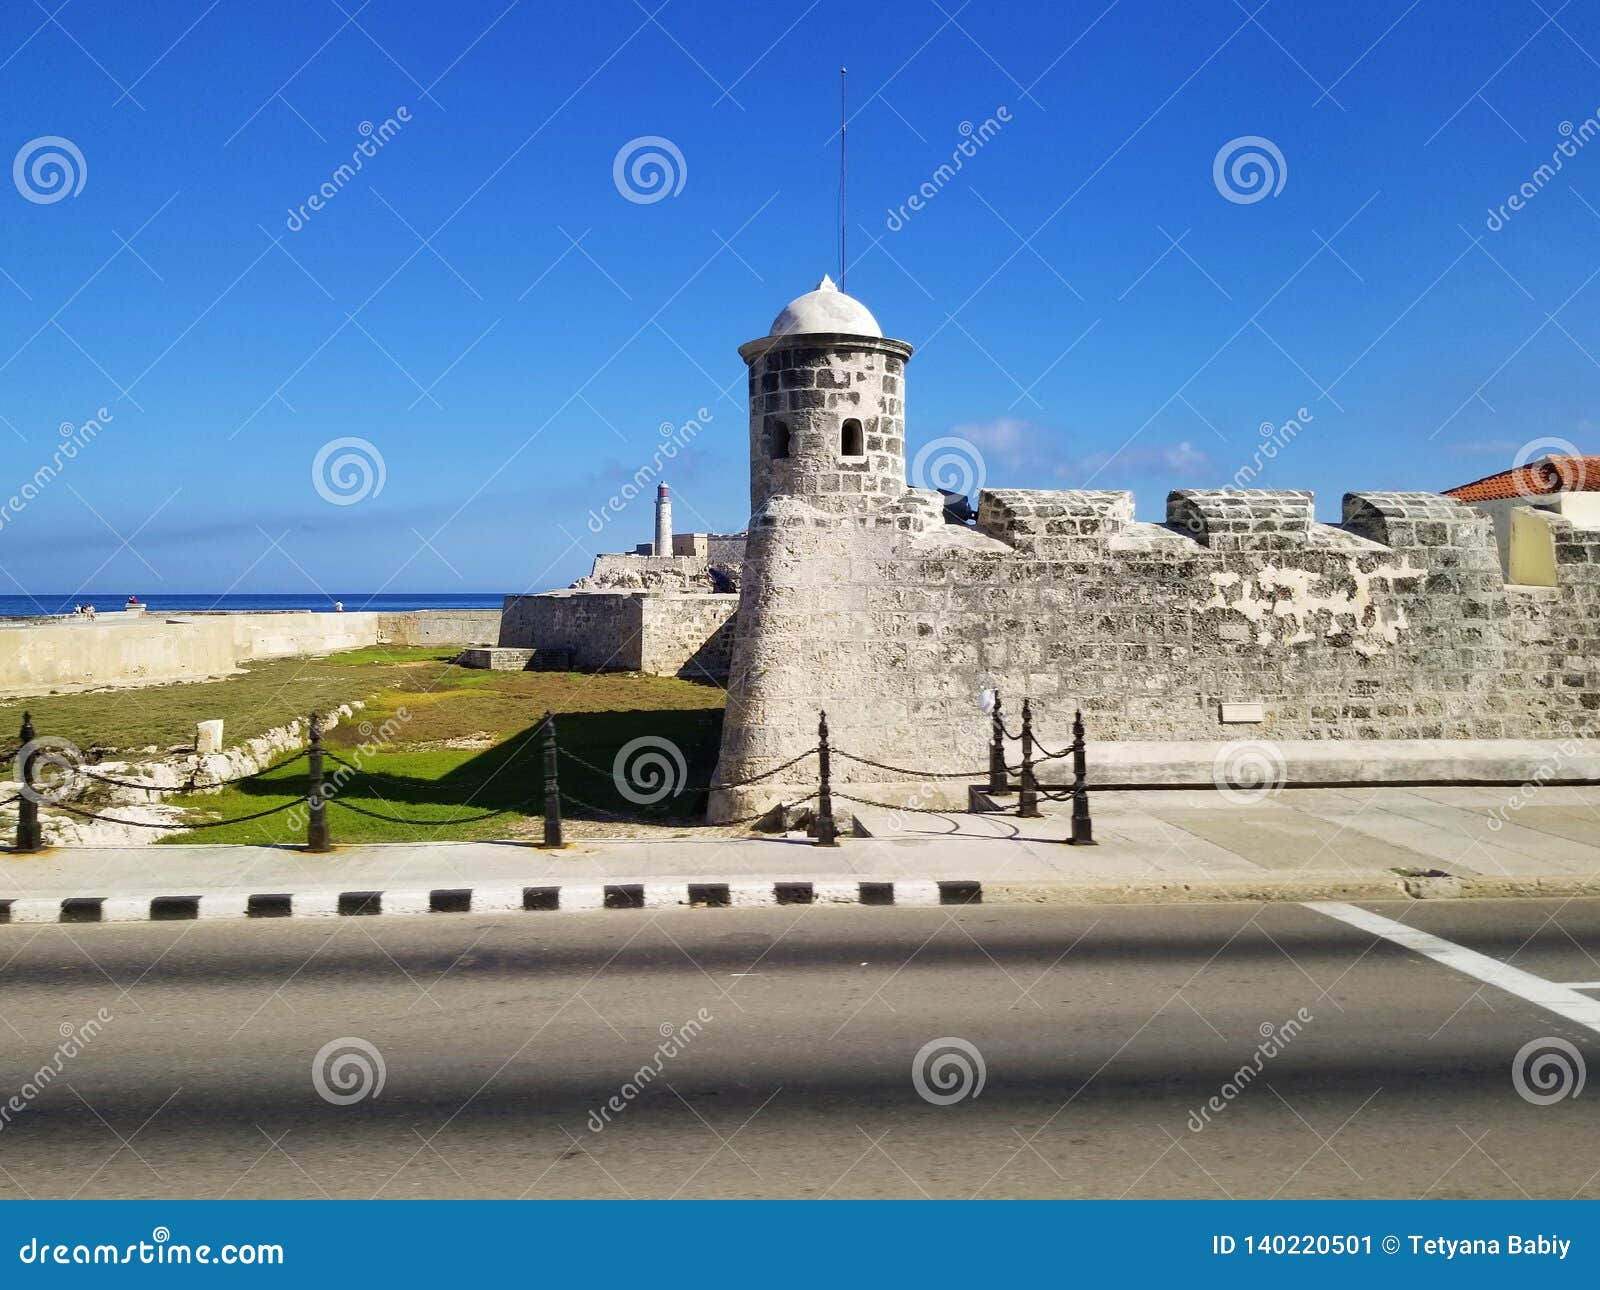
1565 474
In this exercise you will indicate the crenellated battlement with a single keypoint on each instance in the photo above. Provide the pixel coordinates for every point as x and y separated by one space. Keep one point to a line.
1410 520
1036 521
1070 524
1228 519
1033 520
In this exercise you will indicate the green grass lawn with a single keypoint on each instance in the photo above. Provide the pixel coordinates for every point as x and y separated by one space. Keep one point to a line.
262 697
454 785
443 743
436 742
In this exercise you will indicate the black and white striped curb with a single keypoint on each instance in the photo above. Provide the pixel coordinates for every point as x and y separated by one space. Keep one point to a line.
482 900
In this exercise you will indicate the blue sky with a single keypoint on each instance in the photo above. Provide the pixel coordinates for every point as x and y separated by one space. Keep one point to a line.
483 305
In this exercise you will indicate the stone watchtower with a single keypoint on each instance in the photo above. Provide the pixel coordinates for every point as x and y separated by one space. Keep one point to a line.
827 405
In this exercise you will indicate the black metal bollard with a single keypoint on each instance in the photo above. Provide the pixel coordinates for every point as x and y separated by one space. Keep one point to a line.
552 786
1082 827
316 803
997 749
827 828
1028 795
30 837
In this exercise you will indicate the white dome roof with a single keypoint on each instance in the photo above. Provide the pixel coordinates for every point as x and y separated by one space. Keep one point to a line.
826 309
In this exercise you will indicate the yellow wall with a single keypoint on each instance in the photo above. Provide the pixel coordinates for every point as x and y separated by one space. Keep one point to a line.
1533 548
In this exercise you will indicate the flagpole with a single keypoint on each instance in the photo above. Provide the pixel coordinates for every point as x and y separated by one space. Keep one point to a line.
844 208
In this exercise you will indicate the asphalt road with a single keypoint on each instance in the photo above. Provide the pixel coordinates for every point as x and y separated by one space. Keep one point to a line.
1103 1033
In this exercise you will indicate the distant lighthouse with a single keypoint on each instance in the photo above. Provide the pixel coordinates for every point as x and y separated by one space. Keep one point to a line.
663 521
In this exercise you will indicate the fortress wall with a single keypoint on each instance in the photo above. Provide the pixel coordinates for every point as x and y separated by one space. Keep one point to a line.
1394 625
610 631
612 566
600 629
724 548
1563 643
686 635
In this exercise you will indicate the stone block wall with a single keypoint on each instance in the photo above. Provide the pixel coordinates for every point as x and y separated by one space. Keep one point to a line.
625 631
598 629
663 573
1395 624
724 548
622 570
1562 644
688 636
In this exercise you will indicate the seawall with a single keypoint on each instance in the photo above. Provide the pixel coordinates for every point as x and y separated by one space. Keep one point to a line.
118 649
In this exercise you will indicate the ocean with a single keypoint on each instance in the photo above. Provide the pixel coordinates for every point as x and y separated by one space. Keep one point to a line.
45 605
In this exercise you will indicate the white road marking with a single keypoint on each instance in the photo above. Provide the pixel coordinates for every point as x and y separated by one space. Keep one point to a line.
125 909
661 895
836 893
751 893
1562 1000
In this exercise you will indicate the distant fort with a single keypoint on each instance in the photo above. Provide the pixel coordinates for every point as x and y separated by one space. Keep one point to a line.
665 607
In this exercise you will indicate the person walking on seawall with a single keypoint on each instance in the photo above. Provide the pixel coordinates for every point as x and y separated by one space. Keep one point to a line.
338 606
133 600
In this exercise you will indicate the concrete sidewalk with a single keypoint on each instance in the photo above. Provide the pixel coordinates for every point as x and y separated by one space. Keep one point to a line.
1153 846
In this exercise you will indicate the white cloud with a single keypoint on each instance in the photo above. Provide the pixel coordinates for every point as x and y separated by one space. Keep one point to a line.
1007 441
1014 447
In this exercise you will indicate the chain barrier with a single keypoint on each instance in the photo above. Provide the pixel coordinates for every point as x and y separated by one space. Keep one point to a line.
759 815
915 774
1037 746
426 824
316 799
891 806
177 828
634 819
396 780
575 800
697 788
192 784
362 770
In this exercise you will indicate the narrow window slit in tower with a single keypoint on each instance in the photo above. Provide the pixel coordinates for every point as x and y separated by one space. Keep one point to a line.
851 441
780 440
